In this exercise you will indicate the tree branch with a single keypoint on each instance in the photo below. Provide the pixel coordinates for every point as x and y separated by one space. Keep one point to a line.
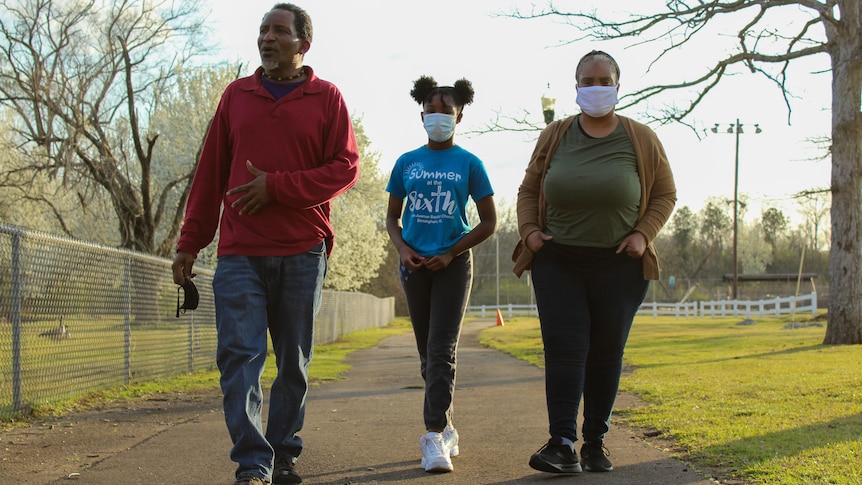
759 43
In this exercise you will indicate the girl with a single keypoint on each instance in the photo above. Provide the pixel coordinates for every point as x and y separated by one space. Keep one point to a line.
434 245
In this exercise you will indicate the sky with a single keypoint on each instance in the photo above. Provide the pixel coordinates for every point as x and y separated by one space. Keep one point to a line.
374 50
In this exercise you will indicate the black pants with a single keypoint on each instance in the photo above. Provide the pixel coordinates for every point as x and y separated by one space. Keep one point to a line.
436 301
587 299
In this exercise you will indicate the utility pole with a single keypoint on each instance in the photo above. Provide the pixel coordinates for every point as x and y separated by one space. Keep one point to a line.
736 129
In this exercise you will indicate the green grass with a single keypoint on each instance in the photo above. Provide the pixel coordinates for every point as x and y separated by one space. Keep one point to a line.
757 402
328 364
56 372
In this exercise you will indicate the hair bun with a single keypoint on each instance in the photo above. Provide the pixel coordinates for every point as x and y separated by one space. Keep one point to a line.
464 88
426 87
422 87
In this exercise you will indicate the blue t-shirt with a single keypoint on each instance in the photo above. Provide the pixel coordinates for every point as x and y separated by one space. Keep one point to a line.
436 186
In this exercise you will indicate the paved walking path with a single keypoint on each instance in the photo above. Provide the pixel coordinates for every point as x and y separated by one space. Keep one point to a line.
364 429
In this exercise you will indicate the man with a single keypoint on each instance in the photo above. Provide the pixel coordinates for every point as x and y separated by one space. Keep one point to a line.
280 147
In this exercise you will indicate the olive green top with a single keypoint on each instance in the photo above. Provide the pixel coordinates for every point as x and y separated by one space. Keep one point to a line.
593 189
657 198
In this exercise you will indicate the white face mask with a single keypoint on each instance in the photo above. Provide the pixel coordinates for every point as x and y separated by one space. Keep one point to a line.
440 126
597 101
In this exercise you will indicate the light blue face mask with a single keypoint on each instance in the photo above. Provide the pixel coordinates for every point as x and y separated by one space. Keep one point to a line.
597 101
440 126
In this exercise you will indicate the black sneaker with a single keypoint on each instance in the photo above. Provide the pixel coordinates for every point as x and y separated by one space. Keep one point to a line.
594 457
555 457
283 471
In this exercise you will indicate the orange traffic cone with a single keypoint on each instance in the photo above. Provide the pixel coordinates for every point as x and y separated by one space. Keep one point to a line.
499 318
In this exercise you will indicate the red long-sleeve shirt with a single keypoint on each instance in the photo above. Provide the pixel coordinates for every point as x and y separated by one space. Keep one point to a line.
305 142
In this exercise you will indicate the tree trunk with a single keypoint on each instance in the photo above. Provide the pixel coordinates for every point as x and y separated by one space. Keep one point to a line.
845 268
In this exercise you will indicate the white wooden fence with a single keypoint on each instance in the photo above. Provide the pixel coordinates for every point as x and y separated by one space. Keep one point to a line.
772 307
721 308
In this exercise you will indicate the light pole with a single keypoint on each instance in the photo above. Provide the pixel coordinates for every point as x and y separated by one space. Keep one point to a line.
497 242
548 105
736 129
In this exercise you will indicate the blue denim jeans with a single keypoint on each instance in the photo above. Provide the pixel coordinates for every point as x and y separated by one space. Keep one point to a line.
587 299
280 294
436 301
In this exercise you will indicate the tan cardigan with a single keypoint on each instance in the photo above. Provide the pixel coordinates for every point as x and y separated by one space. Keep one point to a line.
658 192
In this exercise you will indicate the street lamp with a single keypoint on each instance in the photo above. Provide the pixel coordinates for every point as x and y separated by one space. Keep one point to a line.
736 128
497 242
548 105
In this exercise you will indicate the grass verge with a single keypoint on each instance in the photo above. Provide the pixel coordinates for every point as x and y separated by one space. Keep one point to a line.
327 364
759 403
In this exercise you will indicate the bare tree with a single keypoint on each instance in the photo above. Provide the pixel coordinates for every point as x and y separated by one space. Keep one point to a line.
83 79
814 207
829 27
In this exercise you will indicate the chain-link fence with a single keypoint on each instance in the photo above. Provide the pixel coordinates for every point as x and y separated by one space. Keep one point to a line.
77 317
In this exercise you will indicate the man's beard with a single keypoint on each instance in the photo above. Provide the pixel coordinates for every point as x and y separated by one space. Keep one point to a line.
269 64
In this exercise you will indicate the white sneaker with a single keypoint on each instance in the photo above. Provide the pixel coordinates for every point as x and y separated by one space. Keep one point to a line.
435 455
450 440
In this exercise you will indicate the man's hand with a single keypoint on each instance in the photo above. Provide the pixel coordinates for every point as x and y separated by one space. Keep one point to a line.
255 197
182 267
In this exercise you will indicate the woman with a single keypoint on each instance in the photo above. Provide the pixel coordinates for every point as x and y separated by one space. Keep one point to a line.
434 245
596 192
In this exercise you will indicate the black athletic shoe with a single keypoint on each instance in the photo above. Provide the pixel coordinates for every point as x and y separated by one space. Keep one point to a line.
555 457
283 471
594 457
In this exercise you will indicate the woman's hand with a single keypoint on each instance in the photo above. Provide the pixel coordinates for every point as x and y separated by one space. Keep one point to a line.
536 239
634 245
441 261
